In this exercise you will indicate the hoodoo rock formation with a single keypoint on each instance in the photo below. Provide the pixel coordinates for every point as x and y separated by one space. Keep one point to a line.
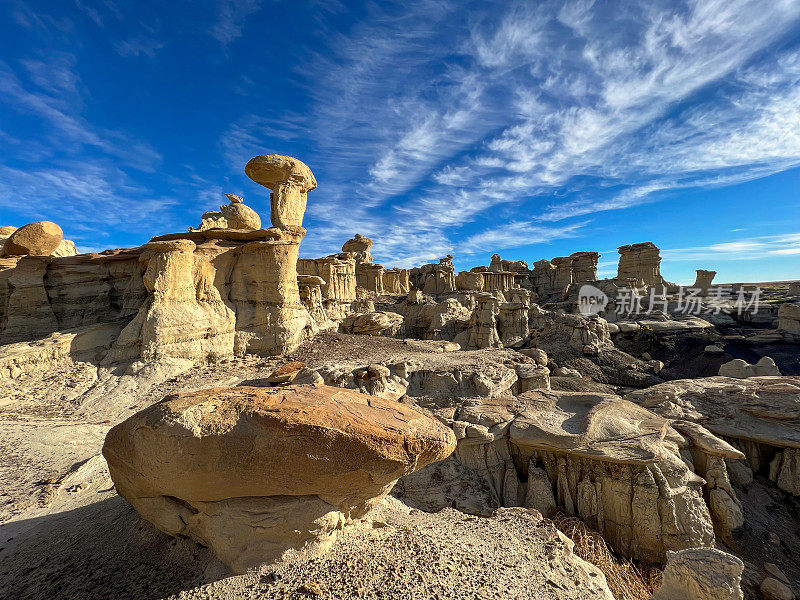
615 465
290 181
253 473
500 391
641 262
202 295
703 280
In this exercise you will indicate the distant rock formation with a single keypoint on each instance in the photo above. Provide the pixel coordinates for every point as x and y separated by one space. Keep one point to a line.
359 246
234 215
641 262
789 318
254 472
435 278
741 369
703 281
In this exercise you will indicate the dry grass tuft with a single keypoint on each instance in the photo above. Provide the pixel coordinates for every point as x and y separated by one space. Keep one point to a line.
626 580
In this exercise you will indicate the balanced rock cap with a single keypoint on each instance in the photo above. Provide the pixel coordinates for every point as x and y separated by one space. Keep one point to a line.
34 239
270 170
299 440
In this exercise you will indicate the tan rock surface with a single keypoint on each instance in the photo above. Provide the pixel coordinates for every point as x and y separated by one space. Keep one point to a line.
289 179
238 215
701 574
254 472
760 416
611 463
741 369
41 238
373 323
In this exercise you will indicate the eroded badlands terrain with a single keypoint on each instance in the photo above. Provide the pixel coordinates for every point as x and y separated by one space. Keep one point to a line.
209 415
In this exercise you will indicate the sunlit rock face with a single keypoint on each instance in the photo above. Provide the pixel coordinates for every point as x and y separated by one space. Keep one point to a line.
202 295
642 262
255 472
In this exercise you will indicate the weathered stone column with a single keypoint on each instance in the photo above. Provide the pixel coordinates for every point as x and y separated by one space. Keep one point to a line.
184 315
290 181
270 318
703 281
395 281
641 262
563 272
584 266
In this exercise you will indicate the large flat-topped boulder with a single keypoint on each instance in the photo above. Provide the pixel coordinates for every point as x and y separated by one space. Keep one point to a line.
253 472
594 425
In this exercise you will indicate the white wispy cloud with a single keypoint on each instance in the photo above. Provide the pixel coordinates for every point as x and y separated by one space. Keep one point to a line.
549 110
139 45
752 248
231 17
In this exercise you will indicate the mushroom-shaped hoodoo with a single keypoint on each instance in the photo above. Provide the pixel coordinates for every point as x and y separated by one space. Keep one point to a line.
289 179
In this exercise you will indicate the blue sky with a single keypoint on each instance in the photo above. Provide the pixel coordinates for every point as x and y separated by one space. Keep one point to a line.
532 129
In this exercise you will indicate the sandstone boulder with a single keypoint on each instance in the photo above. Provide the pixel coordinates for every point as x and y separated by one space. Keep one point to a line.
701 574
41 238
238 215
289 179
373 323
358 243
254 472
741 369
772 589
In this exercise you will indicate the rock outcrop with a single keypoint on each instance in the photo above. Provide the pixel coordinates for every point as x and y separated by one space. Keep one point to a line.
360 247
41 238
338 274
254 472
395 281
373 323
641 262
289 179
703 281
235 215
741 369
200 295
615 465
759 416
435 278
701 574
789 318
